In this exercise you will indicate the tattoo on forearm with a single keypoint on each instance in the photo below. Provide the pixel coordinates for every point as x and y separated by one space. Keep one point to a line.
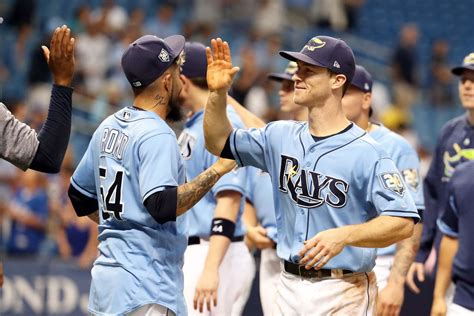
190 193
404 257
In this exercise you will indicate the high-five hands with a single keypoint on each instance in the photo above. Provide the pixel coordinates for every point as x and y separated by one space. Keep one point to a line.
60 56
220 71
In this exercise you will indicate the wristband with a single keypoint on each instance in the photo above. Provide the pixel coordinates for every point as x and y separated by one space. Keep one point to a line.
223 227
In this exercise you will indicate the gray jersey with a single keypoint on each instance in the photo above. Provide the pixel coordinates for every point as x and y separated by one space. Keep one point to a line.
18 143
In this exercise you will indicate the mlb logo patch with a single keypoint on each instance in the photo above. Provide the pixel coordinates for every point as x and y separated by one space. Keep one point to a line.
393 182
164 56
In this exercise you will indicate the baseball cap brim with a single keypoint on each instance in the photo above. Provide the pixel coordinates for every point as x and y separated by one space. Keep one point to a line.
280 77
176 44
297 56
459 70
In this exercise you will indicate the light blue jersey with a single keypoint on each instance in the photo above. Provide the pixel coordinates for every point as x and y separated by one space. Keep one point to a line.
197 159
341 180
132 155
406 160
260 195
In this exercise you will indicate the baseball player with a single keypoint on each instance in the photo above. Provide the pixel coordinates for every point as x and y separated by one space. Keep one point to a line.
455 145
216 234
263 233
286 92
130 181
19 144
393 262
456 248
330 183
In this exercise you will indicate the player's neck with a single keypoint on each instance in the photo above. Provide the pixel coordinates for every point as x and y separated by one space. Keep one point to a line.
327 120
151 104
363 122
199 100
301 114
470 117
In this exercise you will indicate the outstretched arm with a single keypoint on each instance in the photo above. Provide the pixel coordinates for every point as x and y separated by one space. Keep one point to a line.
249 119
54 135
380 232
220 74
192 192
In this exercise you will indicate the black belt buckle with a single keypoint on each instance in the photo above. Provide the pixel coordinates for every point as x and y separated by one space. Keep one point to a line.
312 273
301 271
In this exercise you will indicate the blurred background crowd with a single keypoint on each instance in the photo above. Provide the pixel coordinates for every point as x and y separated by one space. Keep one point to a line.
408 46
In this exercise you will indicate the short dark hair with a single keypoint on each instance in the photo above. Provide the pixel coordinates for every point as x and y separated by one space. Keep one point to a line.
138 91
200 82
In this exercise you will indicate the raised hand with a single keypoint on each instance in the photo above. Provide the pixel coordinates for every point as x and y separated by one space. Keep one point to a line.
60 56
220 71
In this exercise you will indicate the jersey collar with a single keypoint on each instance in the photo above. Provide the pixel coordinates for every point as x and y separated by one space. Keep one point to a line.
337 140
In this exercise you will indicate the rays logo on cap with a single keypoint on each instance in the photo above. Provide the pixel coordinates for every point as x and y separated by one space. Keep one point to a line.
393 182
164 56
366 86
314 43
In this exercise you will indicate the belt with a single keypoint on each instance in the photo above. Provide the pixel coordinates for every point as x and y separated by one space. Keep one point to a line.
196 240
299 270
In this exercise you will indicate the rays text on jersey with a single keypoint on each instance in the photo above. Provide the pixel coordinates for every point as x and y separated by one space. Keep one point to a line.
309 188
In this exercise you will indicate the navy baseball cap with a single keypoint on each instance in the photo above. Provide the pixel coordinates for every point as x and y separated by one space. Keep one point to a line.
287 75
328 52
467 64
148 57
195 60
362 79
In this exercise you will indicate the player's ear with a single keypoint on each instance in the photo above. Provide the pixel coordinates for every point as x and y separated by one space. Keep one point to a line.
167 81
337 81
367 101
185 82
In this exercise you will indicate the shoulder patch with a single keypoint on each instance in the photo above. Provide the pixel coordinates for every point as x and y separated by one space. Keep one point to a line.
411 178
393 181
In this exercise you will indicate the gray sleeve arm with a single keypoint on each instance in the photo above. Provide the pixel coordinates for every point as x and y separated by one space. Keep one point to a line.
18 141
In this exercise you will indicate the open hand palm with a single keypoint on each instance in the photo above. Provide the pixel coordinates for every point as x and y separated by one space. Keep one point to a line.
220 71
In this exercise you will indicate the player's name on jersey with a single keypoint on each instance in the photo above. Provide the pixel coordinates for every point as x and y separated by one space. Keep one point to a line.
113 142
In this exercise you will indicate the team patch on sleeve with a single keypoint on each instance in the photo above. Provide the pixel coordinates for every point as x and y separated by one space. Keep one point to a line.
393 181
411 178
